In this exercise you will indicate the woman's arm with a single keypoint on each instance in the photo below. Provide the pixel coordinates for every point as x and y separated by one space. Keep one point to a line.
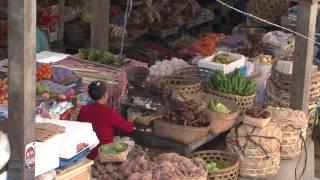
119 123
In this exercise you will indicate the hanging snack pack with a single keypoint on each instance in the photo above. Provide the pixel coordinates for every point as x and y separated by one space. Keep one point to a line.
294 126
258 149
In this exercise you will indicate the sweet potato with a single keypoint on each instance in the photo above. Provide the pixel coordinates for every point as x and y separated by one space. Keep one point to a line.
135 176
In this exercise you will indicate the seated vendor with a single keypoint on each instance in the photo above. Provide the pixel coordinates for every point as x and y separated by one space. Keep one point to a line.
104 119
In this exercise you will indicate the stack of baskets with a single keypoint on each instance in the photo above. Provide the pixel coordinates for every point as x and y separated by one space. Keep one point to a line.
181 84
277 92
258 149
293 125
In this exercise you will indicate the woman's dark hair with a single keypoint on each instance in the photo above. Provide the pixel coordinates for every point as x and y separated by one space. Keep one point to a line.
97 90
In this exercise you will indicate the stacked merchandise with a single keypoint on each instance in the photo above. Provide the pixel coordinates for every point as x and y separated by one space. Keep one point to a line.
277 91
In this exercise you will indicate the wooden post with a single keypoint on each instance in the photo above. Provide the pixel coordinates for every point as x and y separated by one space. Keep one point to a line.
100 24
22 44
302 63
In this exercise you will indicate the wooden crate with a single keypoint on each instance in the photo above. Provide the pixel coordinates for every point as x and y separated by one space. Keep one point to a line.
79 171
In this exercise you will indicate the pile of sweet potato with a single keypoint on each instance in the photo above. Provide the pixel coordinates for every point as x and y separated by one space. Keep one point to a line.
166 166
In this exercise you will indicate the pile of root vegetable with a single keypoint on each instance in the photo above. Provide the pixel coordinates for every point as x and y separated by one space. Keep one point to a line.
139 167
188 113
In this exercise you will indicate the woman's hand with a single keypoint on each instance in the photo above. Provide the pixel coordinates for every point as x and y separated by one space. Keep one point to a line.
132 116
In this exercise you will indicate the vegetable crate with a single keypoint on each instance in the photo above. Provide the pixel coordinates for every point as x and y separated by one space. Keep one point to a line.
238 61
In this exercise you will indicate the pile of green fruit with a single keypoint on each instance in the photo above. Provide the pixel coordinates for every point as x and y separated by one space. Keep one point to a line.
214 166
106 58
112 148
234 83
217 106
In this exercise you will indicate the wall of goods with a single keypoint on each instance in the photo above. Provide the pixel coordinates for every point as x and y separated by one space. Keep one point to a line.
187 84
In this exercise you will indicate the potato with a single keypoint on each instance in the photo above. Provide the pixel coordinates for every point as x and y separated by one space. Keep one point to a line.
147 176
157 175
95 172
124 165
141 160
135 176
105 176
127 172
145 167
115 175
136 168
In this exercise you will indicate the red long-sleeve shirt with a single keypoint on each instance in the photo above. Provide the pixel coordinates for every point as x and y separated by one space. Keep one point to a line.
104 120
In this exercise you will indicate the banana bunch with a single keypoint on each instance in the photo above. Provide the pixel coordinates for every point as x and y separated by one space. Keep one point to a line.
233 83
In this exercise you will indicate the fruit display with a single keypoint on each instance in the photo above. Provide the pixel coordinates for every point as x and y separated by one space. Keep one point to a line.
214 166
174 166
113 149
106 58
222 58
233 83
187 113
167 67
256 112
217 106
265 59
44 72
4 91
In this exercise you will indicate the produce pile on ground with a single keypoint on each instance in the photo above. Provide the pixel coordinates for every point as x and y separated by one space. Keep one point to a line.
44 72
137 162
139 167
3 91
234 83
174 166
256 112
222 58
167 67
217 106
187 113
106 58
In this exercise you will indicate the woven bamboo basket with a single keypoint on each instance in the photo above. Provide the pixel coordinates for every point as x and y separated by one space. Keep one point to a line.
117 157
272 10
195 178
202 73
179 133
184 85
258 122
255 163
243 102
291 142
229 173
221 122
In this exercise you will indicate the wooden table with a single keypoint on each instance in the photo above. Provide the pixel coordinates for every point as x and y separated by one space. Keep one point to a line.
79 171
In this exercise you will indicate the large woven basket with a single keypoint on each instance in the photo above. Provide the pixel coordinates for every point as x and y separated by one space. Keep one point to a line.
184 85
179 133
243 102
255 163
291 142
221 122
201 73
229 173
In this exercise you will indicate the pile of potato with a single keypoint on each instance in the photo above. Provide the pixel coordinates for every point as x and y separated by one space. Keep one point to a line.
187 113
174 166
136 163
166 166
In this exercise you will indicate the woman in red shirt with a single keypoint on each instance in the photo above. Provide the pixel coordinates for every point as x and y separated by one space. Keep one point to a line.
103 119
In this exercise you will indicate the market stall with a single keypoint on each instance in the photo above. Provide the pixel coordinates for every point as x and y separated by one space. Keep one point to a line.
187 86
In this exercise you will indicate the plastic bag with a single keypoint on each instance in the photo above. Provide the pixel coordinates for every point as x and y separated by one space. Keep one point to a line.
4 149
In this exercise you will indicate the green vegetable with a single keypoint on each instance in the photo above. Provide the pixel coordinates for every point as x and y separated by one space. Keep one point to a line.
218 107
119 148
106 58
40 88
233 83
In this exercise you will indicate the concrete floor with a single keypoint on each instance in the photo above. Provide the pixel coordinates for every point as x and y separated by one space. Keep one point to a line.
317 167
